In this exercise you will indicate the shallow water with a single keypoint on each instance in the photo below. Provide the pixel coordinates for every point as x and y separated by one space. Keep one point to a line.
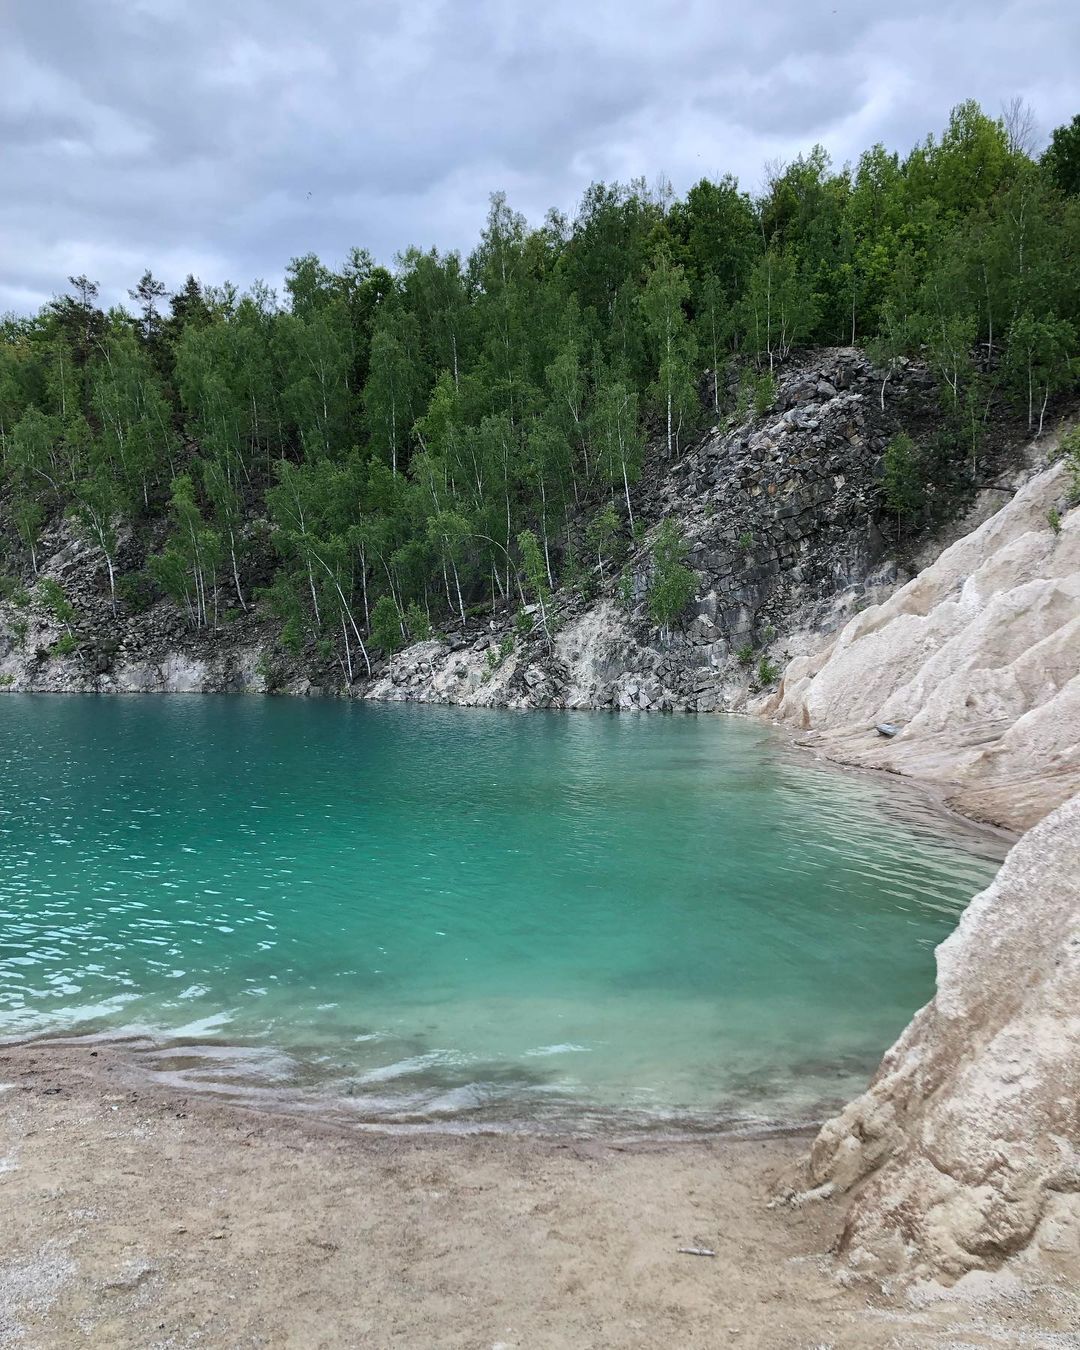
467 915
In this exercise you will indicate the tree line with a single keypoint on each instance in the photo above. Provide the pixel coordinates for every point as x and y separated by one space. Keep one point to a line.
455 432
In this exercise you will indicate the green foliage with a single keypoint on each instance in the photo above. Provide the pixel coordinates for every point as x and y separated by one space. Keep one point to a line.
137 592
536 578
600 534
1053 519
746 541
671 586
745 656
55 601
495 656
7 680
270 673
1061 159
373 447
65 645
903 482
1069 451
386 625
417 622
764 393
767 672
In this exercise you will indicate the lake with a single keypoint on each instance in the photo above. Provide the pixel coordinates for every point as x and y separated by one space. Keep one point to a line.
463 916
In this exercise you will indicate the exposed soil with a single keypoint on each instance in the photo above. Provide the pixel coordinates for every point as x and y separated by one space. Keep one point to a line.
134 1216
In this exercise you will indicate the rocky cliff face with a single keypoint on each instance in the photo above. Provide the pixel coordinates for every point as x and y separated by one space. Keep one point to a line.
781 514
781 518
965 1149
976 661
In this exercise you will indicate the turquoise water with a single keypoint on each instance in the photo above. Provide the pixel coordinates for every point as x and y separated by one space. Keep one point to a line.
462 915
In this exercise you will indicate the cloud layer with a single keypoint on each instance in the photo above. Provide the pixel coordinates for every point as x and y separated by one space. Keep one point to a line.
195 136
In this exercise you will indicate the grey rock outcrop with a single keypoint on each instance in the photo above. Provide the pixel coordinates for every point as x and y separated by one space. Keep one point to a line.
780 515
965 1149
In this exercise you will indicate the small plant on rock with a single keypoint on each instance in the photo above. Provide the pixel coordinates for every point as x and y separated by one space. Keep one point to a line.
767 672
905 492
764 393
745 656
1069 450
137 591
672 585
61 608
601 534
1053 519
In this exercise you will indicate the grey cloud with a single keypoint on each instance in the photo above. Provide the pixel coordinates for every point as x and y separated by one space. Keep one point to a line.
224 139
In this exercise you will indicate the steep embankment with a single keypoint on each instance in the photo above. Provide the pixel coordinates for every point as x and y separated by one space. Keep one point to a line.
976 661
966 1146
781 512
965 1149
782 517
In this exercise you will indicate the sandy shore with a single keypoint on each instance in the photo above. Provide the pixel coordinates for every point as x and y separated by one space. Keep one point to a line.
134 1216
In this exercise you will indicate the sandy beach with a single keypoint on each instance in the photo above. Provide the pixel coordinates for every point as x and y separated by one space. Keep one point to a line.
137 1216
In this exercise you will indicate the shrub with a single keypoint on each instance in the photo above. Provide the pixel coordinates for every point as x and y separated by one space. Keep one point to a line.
56 602
417 622
1070 452
764 393
746 541
672 585
137 591
1053 519
292 636
386 625
767 672
903 482
64 645
745 656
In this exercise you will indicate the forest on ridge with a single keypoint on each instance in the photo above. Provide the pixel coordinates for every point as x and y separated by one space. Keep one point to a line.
377 448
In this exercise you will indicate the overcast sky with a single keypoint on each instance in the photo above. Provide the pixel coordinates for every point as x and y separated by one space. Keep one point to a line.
223 137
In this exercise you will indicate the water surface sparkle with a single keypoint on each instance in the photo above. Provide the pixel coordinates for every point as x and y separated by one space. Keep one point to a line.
466 915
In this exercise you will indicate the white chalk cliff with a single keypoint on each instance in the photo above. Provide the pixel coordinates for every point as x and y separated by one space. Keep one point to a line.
965 1149
976 660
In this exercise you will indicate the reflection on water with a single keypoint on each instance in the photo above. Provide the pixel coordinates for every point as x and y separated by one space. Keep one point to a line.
426 913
